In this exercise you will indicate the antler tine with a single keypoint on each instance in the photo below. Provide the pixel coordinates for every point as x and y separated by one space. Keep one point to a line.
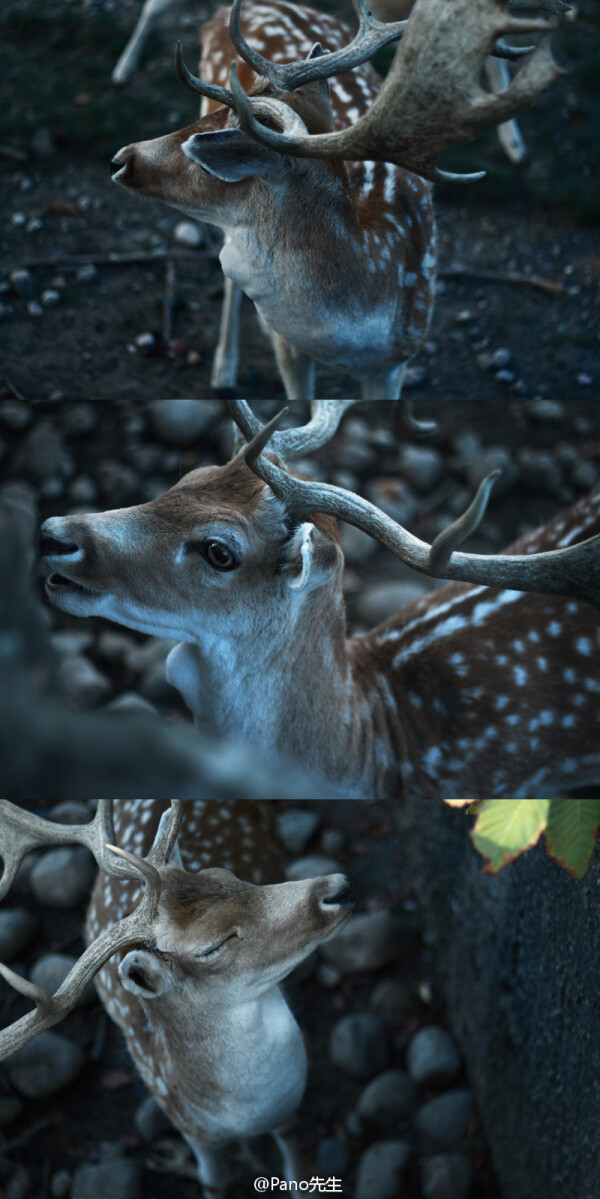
211 90
372 36
49 1009
166 834
432 97
573 571
23 831
326 416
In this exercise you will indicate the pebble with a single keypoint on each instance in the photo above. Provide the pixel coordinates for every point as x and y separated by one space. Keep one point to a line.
34 309
312 866
63 878
490 459
394 497
380 601
60 1184
43 454
22 282
396 1001
19 219
44 1066
186 233
19 1184
540 471
71 641
370 941
115 1178
129 703
381 1170
10 1109
150 1120
500 358
83 490
422 466
15 415
585 475
357 547
584 379
445 1120
445 1176
50 297
182 422
145 341
332 841
50 973
432 1058
414 376
358 1045
296 827
328 976
83 683
17 927
544 410
86 274
387 1100
70 811
332 1158
80 419
505 376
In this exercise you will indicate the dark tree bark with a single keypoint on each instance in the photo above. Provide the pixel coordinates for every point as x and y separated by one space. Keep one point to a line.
518 959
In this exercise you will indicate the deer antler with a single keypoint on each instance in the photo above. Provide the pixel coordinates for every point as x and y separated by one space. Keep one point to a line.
23 831
431 98
573 571
293 443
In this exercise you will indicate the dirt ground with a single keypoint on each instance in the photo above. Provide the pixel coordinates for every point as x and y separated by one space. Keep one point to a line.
60 121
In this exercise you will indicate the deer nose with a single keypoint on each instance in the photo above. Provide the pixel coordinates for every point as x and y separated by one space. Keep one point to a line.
115 165
344 896
52 545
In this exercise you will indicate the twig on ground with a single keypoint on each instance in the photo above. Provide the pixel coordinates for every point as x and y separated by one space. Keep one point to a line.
8 383
458 270
10 152
169 300
73 261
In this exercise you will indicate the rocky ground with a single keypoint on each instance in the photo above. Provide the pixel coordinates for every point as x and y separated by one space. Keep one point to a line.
387 1109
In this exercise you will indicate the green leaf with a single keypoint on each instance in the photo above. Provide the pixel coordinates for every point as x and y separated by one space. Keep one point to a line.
506 827
571 832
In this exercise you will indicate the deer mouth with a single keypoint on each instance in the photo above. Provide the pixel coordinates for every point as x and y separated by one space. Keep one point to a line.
59 584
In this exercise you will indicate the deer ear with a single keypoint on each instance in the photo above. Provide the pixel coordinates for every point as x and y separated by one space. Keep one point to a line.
311 559
231 155
144 974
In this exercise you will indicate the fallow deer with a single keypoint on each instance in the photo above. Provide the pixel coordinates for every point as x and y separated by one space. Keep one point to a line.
191 975
476 689
338 259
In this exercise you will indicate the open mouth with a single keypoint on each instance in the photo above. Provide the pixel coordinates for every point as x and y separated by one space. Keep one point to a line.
59 583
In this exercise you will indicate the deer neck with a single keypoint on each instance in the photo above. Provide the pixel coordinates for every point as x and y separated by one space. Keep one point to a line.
230 1069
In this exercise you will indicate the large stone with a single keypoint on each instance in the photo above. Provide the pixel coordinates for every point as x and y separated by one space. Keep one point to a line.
381 1171
296 827
116 1178
63 878
45 1065
432 1058
313 866
368 942
17 927
50 973
182 422
358 1045
446 1176
387 1100
445 1120
150 1120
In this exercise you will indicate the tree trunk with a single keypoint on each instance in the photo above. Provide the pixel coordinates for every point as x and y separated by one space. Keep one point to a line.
517 957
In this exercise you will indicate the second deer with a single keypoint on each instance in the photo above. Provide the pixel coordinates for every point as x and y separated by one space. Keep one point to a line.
191 975
480 688
338 258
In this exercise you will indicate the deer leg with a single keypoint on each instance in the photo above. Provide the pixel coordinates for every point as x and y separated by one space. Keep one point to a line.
129 60
297 370
225 361
212 1170
292 1164
509 135
386 387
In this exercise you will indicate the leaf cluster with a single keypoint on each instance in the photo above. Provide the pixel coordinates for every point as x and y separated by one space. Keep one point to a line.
506 828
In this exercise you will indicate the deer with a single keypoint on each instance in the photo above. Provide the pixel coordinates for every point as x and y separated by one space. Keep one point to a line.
338 257
485 686
187 957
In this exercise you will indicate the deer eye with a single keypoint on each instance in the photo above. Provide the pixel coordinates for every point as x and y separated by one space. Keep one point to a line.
217 554
214 949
